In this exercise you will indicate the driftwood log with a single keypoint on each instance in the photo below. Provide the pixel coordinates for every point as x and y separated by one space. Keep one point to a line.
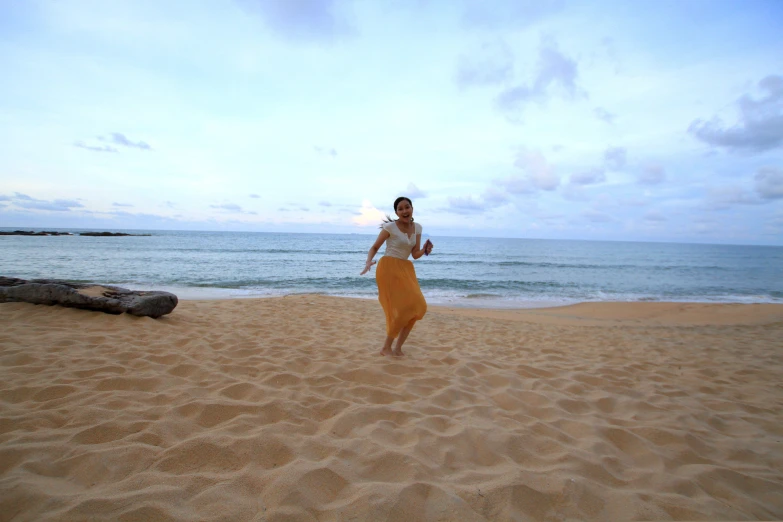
102 298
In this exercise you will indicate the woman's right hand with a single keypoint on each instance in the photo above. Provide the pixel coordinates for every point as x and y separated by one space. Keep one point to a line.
367 267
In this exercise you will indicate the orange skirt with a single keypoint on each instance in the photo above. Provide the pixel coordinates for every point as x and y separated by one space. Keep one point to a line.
399 294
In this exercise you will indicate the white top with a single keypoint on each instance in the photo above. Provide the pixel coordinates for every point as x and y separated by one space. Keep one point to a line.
399 245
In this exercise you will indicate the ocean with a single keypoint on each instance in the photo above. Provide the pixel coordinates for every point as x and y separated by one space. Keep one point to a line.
476 272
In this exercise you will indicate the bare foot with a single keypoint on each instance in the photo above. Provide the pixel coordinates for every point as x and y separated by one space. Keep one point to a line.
386 351
397 353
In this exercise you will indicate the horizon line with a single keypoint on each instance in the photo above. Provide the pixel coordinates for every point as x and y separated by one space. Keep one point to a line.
675 242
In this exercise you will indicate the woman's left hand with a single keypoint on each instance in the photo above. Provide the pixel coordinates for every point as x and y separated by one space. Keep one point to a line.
428 247
367 267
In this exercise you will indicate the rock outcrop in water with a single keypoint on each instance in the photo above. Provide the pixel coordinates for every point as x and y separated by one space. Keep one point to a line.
110 234
31 233
102 298
50 233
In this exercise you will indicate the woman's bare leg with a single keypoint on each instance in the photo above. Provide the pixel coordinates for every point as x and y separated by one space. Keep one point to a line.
387 350
401 340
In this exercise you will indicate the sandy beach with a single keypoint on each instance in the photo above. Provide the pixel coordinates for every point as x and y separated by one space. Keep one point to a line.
280 409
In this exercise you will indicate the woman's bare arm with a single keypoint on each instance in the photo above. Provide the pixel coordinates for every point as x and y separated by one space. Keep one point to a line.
417 252
382 237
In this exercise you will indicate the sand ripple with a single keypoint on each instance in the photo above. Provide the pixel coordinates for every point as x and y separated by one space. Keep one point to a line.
279 410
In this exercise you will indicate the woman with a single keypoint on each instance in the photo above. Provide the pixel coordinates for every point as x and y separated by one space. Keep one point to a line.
398 289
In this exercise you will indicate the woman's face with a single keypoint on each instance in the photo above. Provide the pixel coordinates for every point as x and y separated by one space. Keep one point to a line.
404 211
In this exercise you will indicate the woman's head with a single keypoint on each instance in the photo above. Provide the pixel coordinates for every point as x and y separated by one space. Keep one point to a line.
403 207
404 210
400 200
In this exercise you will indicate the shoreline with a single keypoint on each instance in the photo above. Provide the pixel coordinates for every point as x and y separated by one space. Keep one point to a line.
675 312
637 313
220 294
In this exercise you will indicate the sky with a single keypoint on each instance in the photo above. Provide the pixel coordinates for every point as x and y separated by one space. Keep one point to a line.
630 121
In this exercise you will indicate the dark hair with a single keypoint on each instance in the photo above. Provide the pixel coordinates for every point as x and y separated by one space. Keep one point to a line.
401 198
396 202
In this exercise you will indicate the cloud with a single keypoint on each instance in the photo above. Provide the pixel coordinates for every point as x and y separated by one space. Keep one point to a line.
555 68
540 173
490 199
324 203
494 197
325 151
547 216
589 177
492 64
169 204
228 207
769 182
516 185
94 148
5 198
115 204
119 139
609 47
57 205
414 192
125 214
768 186
512 100
465 205
615 158
573 192
143 220
775 223
302 20
653 215
514 14
760 125
605 200
652 174
723 198
368 215
596 216
115 138
705 220
555 73
254 196
604 115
